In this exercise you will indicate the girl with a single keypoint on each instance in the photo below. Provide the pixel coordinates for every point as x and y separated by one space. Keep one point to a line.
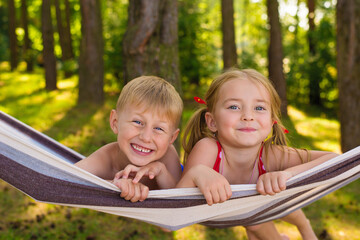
238 138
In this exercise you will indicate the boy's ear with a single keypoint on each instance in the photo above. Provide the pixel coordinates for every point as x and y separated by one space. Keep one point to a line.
113 121
174 136
210 122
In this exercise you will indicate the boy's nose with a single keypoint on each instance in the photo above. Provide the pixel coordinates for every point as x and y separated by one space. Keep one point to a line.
145 134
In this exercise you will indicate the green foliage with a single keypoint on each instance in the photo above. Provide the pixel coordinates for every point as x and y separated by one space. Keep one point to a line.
85 128
199 37
301 66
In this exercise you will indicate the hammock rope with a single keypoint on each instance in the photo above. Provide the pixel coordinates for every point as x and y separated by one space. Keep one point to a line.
44 169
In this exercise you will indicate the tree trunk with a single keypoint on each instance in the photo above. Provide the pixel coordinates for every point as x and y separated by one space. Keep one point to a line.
48 46
228 30
150 43
28 53
348 68
63 26
275 54
12 35
314 71
91 62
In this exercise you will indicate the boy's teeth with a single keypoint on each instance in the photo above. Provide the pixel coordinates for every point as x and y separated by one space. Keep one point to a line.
141 149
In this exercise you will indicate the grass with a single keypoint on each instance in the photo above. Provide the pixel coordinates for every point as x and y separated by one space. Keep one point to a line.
85 128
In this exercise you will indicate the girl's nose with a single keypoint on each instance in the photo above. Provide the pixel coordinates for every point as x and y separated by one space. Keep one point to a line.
247 115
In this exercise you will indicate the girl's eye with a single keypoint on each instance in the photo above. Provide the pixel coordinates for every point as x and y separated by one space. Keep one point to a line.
259 108
233 107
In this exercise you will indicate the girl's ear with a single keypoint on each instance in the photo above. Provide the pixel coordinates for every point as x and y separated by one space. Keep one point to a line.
113 121
210 122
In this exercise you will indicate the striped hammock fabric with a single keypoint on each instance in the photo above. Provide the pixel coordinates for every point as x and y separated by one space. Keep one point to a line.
43 169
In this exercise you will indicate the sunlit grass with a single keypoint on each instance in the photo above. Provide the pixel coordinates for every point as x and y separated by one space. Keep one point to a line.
86 128
324 133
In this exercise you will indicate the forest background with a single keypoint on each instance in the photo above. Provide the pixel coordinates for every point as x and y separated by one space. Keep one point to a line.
85 51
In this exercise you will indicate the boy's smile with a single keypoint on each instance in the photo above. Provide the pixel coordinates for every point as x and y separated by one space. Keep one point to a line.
144 135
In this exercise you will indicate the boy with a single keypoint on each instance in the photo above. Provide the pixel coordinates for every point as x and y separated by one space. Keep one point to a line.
147 114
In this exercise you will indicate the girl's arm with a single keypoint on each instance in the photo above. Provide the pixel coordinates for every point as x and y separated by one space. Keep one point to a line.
275 181
198 172
316 158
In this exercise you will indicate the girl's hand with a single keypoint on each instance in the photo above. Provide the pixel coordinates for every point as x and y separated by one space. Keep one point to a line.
214 186
272 182
131 191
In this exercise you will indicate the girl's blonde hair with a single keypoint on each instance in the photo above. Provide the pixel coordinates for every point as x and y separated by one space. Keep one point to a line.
153 93
197 129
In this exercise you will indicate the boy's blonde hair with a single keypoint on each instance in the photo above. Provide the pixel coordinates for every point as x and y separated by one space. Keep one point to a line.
156 94
197 129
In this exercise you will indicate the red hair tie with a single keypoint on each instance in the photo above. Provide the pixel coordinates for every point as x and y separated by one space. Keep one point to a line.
285 130
199 100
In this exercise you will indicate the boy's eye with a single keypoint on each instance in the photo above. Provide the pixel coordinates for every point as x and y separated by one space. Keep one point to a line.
159 129
137 122
233 107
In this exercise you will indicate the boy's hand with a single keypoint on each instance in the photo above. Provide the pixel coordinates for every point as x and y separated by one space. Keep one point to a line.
150 170
214 186
272 182
131 191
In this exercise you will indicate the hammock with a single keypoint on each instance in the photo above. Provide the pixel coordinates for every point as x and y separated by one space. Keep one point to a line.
43 169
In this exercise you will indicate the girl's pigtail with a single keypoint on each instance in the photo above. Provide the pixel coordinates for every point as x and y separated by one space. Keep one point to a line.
195 130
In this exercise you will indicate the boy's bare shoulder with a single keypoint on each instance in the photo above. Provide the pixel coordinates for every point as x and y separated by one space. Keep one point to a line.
100 162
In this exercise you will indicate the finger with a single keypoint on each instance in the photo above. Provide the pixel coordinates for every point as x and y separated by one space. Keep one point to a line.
228 191
137 193
222 195
282 184
144 192
268 187
139 175
151 174
128 169
208 197
124 189
260 187
275 185
131 191
118 175
215 195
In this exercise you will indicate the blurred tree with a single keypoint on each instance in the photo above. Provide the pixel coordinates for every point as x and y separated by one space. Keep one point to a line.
12 35
63 27
27 51
199 42
314 71
348 66
275 54
49 59
114 26
150 43
228 32
91 63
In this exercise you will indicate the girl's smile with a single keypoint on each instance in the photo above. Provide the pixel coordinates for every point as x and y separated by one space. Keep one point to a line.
242 115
